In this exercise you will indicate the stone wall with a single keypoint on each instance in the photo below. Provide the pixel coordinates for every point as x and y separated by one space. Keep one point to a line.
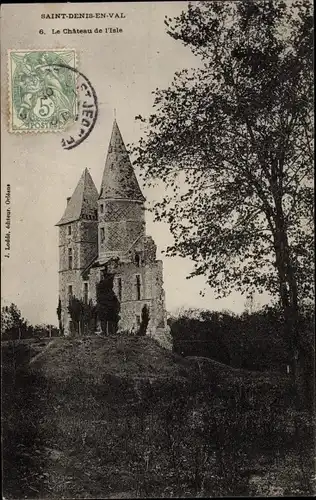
119 236
67 241
152 294
122 221
83 241
88 242
84 244
66 279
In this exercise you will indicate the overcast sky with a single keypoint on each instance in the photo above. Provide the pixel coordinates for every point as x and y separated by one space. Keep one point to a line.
124 69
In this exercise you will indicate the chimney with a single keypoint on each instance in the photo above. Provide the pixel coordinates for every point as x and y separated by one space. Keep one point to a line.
68 199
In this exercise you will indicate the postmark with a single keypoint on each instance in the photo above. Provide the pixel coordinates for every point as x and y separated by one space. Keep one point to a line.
42 90
87 112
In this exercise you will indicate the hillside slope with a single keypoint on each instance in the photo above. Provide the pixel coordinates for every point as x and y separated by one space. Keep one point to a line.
94 417
127 356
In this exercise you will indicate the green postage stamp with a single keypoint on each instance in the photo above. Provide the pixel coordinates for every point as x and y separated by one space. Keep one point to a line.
42 90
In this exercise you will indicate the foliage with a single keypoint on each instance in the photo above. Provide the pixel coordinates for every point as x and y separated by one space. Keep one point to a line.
13 325
42 331
144 321
250 341
232 142
108 305
253 342
58 311
81 314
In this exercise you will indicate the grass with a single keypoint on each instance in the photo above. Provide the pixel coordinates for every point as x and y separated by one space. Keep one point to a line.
123 417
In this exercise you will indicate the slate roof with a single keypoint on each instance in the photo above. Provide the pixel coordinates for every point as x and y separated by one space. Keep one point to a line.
83 203
119 180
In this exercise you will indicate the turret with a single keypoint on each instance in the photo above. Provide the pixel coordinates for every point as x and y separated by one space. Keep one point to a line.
121 211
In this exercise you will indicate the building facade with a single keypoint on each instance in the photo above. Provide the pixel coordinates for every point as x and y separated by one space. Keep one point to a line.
106 232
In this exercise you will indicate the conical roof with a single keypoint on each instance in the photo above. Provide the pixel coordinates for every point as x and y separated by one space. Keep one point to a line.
119 180
83 203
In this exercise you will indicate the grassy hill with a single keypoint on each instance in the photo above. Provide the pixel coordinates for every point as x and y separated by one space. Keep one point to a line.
121 417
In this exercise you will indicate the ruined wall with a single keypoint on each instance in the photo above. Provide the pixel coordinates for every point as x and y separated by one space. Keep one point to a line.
151 293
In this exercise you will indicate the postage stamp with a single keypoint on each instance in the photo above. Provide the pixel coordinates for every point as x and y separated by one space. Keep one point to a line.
42 90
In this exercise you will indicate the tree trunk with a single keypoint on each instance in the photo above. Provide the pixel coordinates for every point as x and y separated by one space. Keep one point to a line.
289 299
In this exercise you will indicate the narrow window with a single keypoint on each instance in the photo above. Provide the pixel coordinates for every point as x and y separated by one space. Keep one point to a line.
69 230
102 235
137 259
69 292
104 272
101 208
70 258
85 293
119 288
138 294
137 319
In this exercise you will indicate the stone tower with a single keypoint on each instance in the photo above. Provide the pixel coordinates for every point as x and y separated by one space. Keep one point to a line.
78 241
121 211
108 234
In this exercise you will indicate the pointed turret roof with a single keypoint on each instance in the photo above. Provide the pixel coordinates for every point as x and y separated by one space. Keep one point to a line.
83 203
119 180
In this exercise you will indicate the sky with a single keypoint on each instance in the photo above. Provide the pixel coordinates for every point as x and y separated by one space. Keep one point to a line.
124 68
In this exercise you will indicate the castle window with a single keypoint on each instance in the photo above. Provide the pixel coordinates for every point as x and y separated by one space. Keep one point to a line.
101 208
102 235
69 292
69 230
138 287
138 259
104 272
119 288
137 319
70 258
85 293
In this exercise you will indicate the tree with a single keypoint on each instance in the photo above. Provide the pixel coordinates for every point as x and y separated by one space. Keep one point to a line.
13 325
232 141
89 316
81 314
58 311
144 321
75 309
108 305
